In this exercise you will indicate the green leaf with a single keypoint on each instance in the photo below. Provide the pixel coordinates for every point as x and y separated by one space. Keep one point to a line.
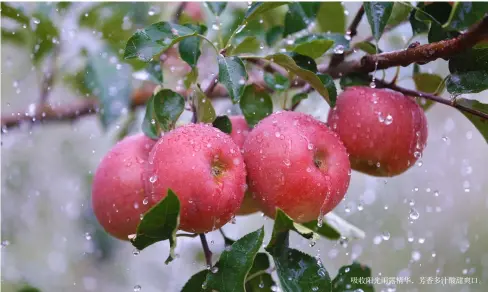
378 14
189 48
355 79
399 14
469 72
262 280
325 229
204 109
282 226
367 47
429 83
154 39
339 40
289 63
154 71
298 97
314 48
216 7
235 264
159 223
168 106
417 25
149 125
274 34
223 123
112 86
299 16
465 14
328 82
233 75
300 272
467 82
191 77
46 37
255 105
250 44
276 81
436 14
196 282
258 8
17 37
331 17
14 13
480 123
347 279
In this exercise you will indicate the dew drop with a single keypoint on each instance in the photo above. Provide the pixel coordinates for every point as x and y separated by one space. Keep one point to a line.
137 288
414 214
88 236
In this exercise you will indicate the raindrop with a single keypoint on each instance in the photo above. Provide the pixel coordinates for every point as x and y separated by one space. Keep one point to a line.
386 235
261 284
136 252
414 214
416 256
5 243
388 120
88 236
322 272
137 288
360 206
339 49
417 154
145 201
215 26
35 20
153 179
214 270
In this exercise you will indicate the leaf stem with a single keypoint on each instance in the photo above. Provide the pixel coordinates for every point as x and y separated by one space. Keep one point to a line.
206 250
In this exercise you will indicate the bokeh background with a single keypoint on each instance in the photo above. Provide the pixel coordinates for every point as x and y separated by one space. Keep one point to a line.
51 240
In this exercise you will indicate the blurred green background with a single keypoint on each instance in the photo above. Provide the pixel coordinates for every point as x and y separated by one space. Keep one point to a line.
51 240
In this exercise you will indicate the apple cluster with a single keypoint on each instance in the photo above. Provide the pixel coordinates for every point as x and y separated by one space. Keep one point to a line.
289 160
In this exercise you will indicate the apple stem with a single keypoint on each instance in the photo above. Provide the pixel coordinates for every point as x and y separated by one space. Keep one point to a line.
206 250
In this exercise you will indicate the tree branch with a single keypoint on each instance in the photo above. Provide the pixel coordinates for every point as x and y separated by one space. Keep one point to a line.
420 54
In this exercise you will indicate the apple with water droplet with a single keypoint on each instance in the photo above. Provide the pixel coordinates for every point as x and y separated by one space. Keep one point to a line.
384 131
205 169
296 163
118 195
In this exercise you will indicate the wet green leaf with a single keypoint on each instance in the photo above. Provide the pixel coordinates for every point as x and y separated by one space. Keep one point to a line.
274 34
196 282
255 105
465 14
223 123
189 48
112 86
153 69
314 48
355 79
262 280
233 75
298 97
429 83
340 43
159 223
235 264
328 82
434 15
258 8
469 72
368 48
204 109
294 63
378 14
249 44
154 39
324 230
331 17
480 123
346 279
276 81
299 16
399 14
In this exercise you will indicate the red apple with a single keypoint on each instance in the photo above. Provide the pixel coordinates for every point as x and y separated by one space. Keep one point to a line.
296 163
205 169
118 195
384 131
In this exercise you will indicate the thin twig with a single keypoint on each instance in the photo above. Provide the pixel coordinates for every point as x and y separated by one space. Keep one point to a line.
206 250
192 235
432 97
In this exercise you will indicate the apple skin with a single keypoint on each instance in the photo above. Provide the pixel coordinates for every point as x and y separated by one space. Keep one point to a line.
205 169
296 163
118 196
240 130
383 130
